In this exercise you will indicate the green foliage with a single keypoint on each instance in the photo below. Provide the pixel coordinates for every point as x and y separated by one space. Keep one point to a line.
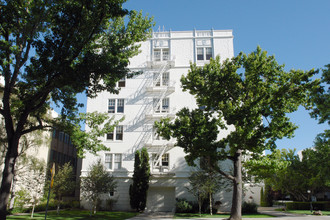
64 183
109 204
249 208
321 98
52 50
97 182
99 124
192 129
262 198
183 206
263 92
22 198
139 188
283 170
51 206
324 206
204 183
78 214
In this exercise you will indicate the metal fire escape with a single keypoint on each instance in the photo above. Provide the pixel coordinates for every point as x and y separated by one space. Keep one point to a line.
158 88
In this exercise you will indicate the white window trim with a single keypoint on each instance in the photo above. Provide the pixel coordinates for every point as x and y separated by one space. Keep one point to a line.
120 81
116 106
204 48
162 80
161 54
160 105
114 133
112 161
153 156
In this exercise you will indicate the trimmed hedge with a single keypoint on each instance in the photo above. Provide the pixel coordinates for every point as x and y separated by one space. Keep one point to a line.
324 206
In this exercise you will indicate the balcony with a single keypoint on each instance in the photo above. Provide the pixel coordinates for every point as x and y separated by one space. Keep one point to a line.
159 115
157 63
156 87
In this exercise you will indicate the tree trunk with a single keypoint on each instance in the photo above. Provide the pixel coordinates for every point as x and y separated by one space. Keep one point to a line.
199 205
13 192
210 198
236 208
32 212
7 176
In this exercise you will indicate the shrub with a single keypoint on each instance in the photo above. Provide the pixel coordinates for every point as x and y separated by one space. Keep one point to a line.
110 203
324 206
183 206
249 208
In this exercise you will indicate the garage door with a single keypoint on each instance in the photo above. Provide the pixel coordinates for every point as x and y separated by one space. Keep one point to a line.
161 199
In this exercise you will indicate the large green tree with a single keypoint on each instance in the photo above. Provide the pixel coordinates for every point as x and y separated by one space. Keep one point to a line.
321 98
252 93
52 50
139 188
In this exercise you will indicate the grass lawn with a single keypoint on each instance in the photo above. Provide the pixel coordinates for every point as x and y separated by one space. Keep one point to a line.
77 215
196 215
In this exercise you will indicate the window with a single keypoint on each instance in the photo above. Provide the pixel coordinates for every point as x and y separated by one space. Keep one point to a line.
165 105
161 79
111 105
116 133
161 105
122 82
119 132
113 161
54 133
116 106
117 162
204 53
108 161
120 105
161 54
61 136
208 53
164 160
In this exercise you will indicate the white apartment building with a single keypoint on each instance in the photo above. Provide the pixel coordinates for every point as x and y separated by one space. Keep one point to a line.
147 97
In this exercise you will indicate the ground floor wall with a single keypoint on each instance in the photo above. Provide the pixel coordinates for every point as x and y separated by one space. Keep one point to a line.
162 194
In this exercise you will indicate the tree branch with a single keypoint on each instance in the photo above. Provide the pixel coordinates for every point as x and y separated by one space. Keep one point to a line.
226 175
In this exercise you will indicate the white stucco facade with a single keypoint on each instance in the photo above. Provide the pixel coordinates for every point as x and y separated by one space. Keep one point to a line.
147 97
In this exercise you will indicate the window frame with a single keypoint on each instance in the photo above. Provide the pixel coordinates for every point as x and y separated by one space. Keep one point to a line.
204 53
116 106
116 135
111 159
161 105
165 159
122 82
161 54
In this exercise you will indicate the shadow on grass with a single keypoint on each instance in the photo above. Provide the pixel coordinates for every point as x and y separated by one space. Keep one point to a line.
77 215
196 215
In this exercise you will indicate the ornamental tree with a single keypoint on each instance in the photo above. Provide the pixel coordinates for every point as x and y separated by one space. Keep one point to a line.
64 183
97 182
139 188
255 102
52 50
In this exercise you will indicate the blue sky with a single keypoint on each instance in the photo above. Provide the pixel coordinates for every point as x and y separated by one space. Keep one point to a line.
297 32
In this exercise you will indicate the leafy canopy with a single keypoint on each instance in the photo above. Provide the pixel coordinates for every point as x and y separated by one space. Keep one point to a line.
254 102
